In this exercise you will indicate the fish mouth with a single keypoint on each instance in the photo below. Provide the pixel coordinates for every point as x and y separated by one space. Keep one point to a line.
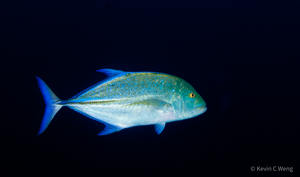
201 109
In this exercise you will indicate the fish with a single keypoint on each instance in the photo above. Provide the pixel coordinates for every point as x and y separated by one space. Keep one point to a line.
129 99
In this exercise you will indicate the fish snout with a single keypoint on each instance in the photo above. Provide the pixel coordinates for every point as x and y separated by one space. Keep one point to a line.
201 109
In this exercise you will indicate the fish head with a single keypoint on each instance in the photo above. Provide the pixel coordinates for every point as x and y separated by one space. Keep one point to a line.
187 102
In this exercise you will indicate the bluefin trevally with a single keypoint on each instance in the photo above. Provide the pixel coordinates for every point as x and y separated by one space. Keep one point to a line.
128 99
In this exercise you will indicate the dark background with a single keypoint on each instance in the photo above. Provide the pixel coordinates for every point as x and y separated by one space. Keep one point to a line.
242 56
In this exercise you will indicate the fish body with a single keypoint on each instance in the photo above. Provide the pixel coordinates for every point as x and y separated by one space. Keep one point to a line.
128 99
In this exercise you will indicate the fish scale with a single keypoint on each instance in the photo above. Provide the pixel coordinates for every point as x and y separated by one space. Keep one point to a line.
112 89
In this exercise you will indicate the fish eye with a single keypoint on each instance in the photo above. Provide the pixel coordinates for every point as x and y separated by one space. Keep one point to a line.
192 95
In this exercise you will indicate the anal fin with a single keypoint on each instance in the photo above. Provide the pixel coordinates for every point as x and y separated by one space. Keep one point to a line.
109 129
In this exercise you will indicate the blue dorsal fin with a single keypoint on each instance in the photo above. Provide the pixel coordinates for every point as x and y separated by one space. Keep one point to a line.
159 127
110 72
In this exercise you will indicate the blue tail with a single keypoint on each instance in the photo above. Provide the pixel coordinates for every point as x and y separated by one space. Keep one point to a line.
51 107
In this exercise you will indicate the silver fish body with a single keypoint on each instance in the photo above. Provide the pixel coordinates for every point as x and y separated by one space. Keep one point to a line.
128 99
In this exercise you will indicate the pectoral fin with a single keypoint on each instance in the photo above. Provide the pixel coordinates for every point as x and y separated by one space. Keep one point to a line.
152 103
159 127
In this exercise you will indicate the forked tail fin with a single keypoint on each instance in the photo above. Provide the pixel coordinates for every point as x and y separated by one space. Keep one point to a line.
51 107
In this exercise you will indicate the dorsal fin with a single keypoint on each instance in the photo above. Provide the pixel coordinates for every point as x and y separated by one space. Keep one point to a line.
110 72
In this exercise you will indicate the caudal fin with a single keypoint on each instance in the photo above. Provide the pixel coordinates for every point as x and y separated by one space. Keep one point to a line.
51 107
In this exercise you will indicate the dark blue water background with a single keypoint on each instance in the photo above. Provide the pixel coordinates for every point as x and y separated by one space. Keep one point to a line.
241 56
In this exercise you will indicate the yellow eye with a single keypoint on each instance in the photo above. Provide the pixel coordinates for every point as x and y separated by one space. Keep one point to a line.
192 95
